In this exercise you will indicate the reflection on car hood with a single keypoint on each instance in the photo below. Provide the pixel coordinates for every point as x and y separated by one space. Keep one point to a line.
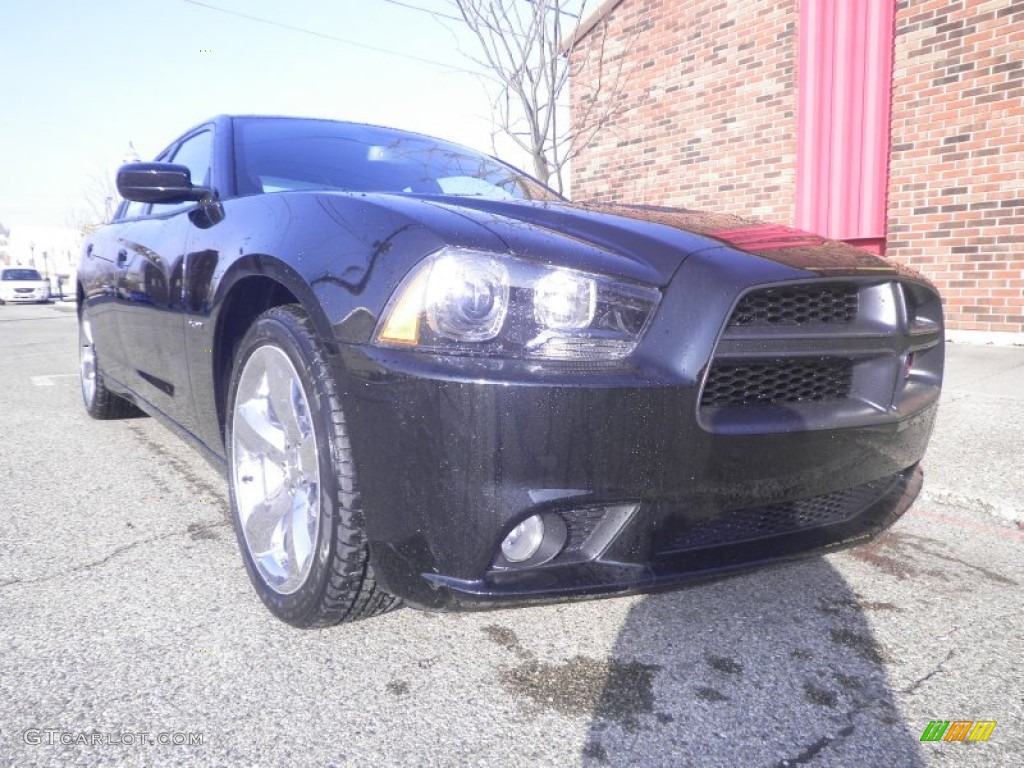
663 237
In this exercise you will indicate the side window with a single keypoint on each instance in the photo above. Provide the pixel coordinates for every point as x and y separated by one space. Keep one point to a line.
132 210
194 153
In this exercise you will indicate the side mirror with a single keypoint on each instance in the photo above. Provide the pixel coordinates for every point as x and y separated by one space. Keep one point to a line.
158 183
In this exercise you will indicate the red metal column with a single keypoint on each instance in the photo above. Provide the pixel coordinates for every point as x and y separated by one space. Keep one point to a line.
844 97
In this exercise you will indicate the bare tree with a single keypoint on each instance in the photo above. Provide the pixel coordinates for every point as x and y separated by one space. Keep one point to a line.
100 198
532 48
97 204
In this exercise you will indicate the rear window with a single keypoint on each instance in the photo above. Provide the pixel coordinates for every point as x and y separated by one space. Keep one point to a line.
20 274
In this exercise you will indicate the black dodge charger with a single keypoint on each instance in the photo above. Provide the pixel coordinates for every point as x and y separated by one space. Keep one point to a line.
429 378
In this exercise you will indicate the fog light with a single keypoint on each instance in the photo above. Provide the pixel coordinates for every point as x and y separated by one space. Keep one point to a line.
524 540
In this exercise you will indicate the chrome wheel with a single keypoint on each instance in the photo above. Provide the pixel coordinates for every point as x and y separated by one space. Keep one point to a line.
87 360
295 498
275 469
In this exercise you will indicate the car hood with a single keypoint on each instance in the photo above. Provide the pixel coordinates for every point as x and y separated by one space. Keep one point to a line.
660 238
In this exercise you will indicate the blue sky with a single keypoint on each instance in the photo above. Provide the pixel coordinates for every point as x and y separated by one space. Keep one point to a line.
79 80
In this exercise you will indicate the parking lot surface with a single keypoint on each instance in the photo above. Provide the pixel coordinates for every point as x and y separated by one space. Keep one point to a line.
129 633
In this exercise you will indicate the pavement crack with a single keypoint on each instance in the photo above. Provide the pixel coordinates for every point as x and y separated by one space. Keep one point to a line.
922 547
986 572
935 670
108 557
861 704
811 750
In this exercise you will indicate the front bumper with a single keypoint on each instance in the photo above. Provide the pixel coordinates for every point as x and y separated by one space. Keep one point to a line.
646 562
658 481
449 468
34 297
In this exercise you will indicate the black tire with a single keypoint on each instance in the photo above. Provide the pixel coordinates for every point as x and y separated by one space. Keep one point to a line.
339 585
100 402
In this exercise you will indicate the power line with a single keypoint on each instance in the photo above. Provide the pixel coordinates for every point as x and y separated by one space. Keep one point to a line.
435 14
333 38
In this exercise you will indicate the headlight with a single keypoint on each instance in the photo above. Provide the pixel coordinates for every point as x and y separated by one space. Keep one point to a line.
466 300
565 300
472 302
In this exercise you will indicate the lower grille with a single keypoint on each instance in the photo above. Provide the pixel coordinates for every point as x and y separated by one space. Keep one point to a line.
777 381
751 523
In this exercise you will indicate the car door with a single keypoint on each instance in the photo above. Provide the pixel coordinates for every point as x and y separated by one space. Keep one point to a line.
150 261
98 274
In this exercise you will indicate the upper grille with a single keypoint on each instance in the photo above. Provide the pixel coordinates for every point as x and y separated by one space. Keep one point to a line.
798 305
777 381
751 523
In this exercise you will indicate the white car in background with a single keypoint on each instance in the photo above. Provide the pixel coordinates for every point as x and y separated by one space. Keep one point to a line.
23 284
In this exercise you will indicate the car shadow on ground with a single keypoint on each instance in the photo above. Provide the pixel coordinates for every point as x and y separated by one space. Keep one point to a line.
772 668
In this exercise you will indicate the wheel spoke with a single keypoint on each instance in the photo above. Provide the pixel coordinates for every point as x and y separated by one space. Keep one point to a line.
257 433
301 538
87 360
266 532
307 456
264 478
285 398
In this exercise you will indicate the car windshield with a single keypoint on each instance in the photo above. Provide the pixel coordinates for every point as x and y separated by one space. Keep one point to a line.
21 274
283 154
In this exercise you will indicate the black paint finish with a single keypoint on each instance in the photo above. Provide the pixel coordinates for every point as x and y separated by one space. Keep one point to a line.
452 452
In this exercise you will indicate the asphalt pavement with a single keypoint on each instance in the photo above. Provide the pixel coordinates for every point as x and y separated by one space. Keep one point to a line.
129 633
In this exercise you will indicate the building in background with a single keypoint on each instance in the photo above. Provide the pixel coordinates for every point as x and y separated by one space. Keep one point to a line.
52 250
5 246
897 126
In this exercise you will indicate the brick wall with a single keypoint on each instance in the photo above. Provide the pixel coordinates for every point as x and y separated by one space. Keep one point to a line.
956 175
706 117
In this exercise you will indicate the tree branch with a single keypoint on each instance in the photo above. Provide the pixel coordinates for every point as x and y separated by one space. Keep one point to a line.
521 45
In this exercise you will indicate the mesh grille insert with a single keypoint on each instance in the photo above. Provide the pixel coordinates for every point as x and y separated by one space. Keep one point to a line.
751 523
777 381
798 305
581 523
